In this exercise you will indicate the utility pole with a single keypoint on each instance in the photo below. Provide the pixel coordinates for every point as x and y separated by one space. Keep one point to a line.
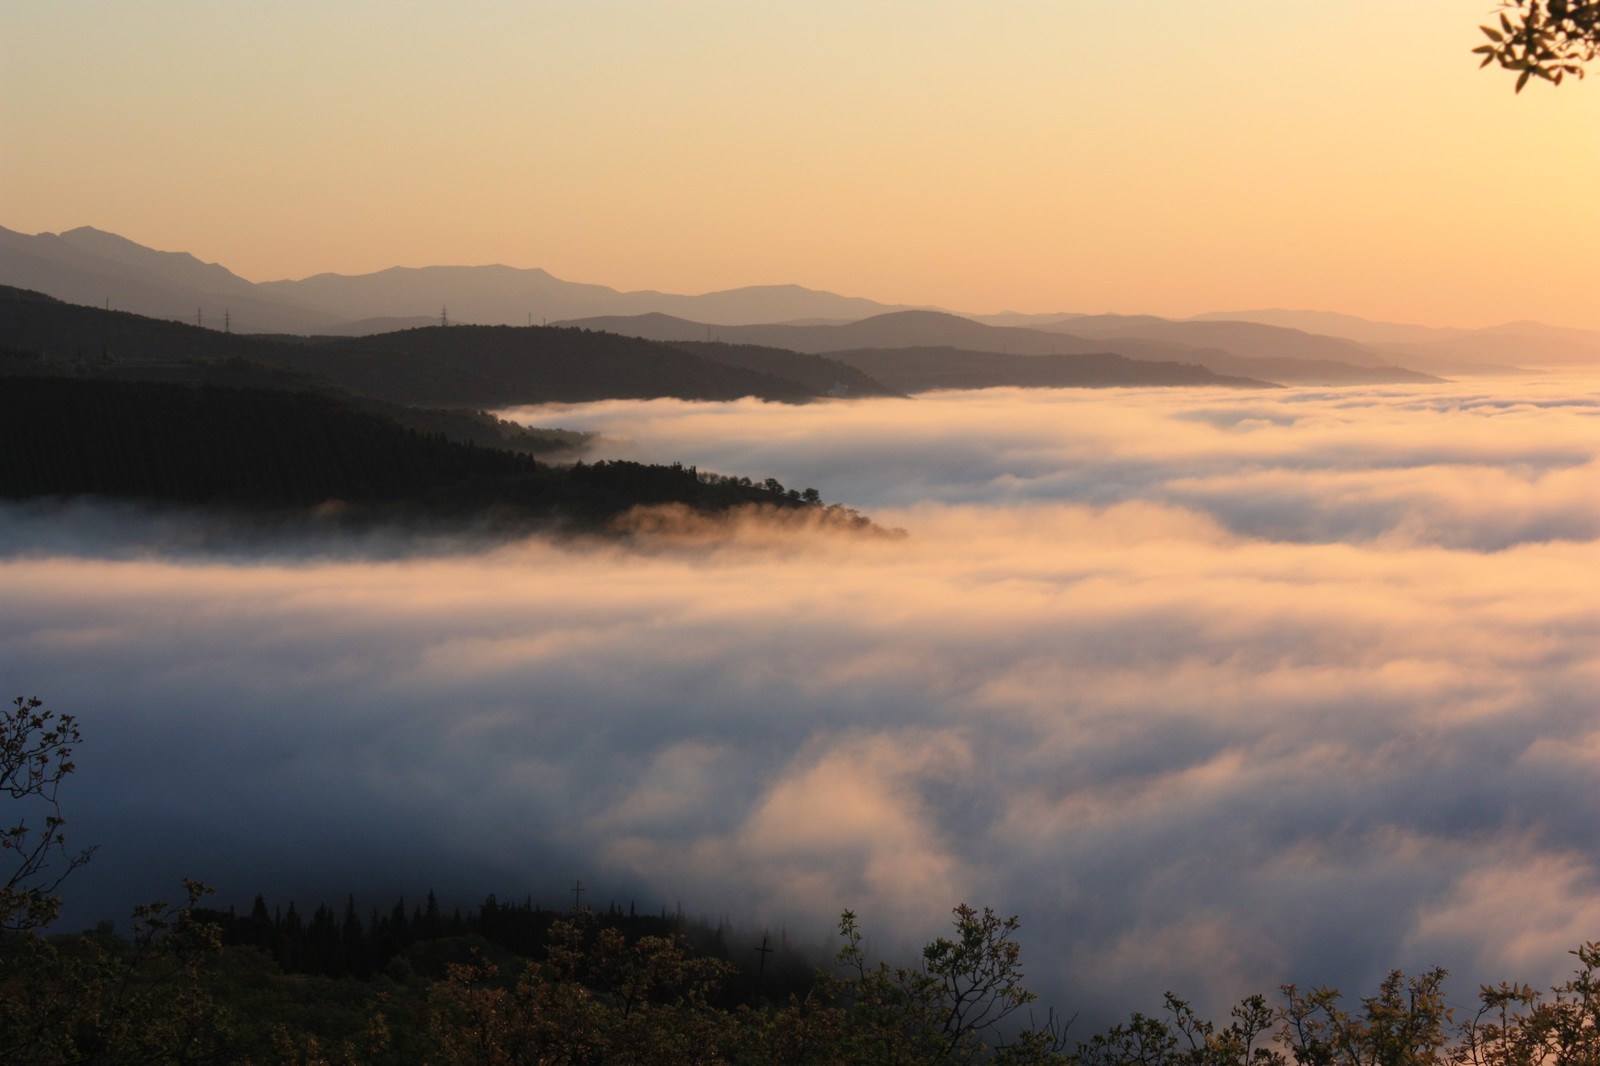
764 950
227 321
577 894
200 317
444 316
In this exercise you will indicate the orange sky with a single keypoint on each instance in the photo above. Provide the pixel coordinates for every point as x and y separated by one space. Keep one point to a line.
1036 155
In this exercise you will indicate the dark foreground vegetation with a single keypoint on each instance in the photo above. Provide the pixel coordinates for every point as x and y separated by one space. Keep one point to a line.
281 454
508 984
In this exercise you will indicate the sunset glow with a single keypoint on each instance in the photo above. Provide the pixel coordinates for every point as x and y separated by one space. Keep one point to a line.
1166 158
703 467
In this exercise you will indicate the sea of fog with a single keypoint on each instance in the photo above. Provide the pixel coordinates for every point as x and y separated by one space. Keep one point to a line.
1214 689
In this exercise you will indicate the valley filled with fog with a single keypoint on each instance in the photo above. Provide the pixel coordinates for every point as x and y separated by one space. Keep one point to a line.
1215 689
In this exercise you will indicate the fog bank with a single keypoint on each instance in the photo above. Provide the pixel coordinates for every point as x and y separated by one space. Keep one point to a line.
1215 691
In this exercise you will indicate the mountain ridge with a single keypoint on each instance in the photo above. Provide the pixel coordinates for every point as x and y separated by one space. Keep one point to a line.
434 366
931 330
97 268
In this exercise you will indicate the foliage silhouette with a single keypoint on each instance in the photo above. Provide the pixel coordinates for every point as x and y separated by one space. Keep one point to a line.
1547 39
35 757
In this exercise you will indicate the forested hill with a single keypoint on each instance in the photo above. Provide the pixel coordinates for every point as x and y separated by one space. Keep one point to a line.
440 366
496 366
285 452
825 375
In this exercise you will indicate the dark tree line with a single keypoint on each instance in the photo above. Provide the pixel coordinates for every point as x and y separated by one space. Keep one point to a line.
220 445
345 943
284 451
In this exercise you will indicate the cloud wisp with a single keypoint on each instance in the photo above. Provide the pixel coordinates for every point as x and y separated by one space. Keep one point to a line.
1213 692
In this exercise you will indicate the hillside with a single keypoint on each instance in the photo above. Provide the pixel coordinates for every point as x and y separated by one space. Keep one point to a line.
455 366
275 452
497 366
101 269
827 376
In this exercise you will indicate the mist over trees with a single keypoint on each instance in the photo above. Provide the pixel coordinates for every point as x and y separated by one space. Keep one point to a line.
513 983
279 453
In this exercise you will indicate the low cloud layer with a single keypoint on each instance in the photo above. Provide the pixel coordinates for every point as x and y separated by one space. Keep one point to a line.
1214 691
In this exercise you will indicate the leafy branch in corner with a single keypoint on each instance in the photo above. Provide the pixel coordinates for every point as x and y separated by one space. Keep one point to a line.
1546 39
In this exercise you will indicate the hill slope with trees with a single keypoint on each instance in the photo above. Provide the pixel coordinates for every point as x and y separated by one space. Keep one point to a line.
440 366
280 452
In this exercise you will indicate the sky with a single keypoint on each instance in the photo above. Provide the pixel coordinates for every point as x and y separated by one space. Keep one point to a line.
1164 157
1213 689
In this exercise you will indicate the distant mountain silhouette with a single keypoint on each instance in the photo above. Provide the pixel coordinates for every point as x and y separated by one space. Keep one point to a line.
1251 339
502 295
456 366
657 326
898 329
1331 324
938 330
89 266
95 268
1495 349
1287 370
923 369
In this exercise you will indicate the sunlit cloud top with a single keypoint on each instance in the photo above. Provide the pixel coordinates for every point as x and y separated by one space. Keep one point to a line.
1215 692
